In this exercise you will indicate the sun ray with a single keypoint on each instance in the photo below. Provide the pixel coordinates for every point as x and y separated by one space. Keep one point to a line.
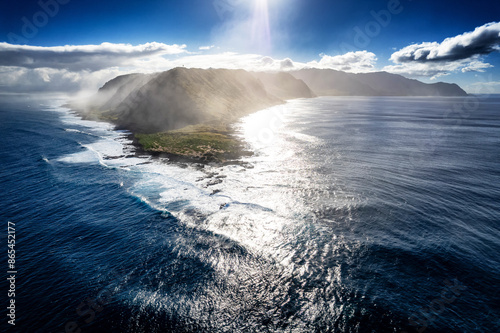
261 32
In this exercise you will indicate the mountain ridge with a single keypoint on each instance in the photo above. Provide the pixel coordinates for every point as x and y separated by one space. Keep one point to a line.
329 82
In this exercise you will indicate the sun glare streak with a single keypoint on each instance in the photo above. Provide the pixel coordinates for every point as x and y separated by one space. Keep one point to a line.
261 32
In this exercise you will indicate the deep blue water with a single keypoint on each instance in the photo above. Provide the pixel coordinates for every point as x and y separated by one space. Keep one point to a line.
353 215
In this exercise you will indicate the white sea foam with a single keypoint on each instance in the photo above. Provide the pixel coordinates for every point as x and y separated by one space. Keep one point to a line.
112 149
248 205
160 185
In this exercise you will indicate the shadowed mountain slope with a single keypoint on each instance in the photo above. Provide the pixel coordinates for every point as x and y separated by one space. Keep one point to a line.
284 85
328 82
181 97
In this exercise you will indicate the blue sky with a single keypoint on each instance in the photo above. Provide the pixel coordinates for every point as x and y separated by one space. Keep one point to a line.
347 35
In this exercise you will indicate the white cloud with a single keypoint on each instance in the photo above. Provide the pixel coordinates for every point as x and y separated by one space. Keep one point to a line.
205 48
71 68
82 57
437 69
459 53
287 64
18 79
232 60
483 40
476 66
360 61
356 62
71 75
77 67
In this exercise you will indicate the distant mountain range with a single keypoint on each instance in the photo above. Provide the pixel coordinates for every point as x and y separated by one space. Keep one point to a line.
150 103
329 82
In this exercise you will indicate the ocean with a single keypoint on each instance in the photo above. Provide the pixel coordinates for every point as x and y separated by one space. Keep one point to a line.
354 214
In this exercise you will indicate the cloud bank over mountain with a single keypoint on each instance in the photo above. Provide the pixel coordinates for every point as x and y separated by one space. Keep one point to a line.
70 68
81 57
355 62
25 68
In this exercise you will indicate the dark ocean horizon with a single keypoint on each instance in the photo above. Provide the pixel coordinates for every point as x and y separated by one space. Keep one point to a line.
355 214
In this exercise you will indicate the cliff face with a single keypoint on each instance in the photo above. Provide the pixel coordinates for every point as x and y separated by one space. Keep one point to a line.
116 90
327 82
181 97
